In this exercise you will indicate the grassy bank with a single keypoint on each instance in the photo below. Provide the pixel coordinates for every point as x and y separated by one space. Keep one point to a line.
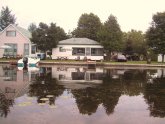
111 62
104 62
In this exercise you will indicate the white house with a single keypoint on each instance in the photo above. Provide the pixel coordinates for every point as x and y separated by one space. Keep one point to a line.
78 48
18 40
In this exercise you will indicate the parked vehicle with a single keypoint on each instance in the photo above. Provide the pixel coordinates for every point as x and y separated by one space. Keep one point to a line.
42 56
121 58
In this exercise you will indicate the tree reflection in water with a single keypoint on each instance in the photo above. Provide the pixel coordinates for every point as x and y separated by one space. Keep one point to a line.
130 82
45 85
116 82
89 99
5 105
155 97
133 82
108 93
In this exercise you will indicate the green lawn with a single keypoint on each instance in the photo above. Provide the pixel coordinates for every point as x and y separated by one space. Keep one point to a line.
111 62
134 62
8 59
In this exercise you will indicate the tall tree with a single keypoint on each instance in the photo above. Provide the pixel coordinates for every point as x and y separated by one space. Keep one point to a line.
134 43
88 26
47 37
6 18
32 27
110 36
156 34
55 34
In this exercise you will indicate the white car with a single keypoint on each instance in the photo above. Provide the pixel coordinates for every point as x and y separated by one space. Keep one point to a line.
121 58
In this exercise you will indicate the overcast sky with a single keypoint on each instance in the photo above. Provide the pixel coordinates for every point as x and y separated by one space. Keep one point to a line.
131 14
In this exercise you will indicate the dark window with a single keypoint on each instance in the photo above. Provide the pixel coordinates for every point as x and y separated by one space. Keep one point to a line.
97 51
78 51
33 49
61 49
11 33
78 75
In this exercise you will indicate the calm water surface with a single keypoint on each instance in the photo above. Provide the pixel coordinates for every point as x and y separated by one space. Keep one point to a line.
77 95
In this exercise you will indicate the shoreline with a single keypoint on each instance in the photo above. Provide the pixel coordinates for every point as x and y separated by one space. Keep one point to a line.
82 63
102 64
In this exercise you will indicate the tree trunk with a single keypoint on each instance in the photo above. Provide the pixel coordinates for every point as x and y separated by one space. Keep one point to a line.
109 56
148 59
162 74
148 56
162 58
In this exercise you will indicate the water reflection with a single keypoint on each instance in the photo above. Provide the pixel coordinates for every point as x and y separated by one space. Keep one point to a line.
13 84
45 85
155 96
89 88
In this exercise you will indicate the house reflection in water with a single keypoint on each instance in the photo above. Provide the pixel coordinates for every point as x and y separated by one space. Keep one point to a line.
77 75
13 83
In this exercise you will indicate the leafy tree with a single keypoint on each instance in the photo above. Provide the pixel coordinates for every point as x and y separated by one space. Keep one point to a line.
134 43
6 18
39 37
110 36
47 37
156 34
32 27
88 26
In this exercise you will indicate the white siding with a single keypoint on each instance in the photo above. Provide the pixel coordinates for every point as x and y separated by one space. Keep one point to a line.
68 53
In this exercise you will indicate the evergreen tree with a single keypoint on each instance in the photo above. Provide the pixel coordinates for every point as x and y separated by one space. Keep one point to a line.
32 27
110 36
6 18
88 26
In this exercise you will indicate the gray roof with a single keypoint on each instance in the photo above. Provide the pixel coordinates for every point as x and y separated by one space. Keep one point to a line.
25 32
78 41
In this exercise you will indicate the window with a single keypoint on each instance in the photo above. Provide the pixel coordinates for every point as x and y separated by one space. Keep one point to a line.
11 33
10 74
11 51
96 51
78 51
61 49
26 49
33 49
78 75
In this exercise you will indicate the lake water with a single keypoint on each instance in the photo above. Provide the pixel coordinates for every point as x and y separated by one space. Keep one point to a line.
77 95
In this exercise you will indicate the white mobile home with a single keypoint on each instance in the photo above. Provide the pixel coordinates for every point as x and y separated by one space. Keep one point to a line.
78 48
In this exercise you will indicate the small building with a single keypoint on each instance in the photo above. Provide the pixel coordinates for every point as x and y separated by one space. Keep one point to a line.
160 58
78 49
18 40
